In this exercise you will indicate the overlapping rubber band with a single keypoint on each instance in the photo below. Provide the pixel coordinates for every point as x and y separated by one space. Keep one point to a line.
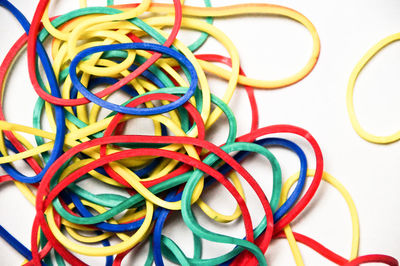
165 172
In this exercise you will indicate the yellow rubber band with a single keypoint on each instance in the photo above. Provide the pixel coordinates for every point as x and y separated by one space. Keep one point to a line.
350 91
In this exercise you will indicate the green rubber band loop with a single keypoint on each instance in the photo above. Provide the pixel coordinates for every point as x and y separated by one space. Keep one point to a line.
188 216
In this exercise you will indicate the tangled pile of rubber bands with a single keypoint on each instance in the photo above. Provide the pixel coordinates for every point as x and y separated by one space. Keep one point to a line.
156 175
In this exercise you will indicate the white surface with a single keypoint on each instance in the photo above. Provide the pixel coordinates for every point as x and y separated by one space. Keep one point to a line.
272 48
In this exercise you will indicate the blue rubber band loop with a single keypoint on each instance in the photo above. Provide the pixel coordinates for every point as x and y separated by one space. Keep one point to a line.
133 110
59 111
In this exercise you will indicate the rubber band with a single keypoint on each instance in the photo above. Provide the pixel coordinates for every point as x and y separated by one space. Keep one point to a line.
146 179
350 91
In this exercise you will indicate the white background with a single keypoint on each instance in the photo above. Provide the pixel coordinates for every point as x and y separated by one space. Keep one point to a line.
271 48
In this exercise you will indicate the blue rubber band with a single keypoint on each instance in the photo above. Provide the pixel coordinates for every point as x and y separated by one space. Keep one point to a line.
59 111
133 110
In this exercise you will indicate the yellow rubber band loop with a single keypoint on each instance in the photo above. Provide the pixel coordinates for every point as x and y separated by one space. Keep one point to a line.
350 91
